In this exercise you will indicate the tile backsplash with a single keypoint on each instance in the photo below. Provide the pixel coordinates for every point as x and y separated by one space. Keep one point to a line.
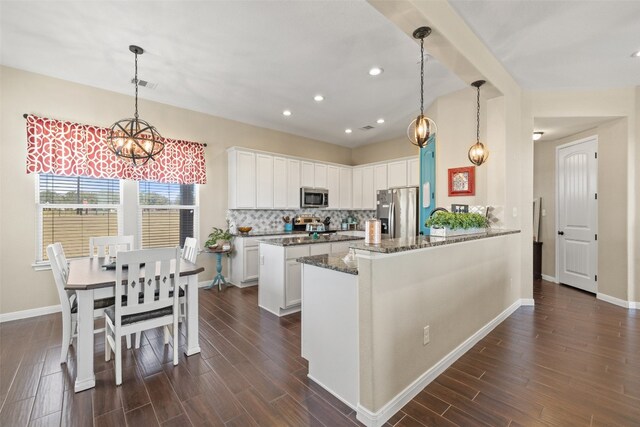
272 219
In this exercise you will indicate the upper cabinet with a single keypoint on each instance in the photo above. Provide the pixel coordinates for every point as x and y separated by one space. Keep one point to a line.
264 181
333 185
259 180
320 175
242 179
397 174
307 172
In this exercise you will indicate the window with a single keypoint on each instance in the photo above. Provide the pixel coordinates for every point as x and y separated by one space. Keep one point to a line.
168 213
72 209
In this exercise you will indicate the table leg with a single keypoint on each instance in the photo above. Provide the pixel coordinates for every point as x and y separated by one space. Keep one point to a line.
219 279
193 338
85 378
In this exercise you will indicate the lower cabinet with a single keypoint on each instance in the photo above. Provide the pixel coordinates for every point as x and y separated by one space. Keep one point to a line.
244 267
293 283
280 287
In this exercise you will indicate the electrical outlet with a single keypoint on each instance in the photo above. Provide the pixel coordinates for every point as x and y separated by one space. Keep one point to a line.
544 212
426 335
261 259
515 212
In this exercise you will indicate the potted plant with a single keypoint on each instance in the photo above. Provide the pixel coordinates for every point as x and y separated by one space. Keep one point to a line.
451 224
219 238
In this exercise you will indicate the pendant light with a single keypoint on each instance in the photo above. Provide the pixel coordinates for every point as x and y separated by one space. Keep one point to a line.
478 153
134 139
422 127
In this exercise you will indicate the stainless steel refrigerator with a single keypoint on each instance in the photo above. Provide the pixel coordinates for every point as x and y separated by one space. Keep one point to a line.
397 210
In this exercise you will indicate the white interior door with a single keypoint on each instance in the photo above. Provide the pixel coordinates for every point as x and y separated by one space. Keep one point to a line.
577 246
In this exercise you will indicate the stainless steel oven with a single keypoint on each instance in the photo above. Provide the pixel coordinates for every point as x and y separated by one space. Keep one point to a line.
314 197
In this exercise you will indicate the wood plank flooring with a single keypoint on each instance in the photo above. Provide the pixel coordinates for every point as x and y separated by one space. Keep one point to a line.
570 360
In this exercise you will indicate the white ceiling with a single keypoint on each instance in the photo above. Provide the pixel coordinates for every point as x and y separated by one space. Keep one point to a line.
575 44
242 60
250 60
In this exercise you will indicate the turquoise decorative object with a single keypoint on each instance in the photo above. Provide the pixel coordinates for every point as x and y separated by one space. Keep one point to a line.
427 182
288 226
315 236
219 279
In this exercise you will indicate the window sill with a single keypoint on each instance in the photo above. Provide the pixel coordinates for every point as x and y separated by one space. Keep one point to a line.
41 265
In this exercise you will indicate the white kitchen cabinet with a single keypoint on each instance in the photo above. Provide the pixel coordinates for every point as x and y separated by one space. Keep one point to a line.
307 172
413 172
333 185
340 248
356 196
293 184
242 179
380 177
397 174
280 183
264 181
368 190
293 283
320 175
244 265
345 188
320 249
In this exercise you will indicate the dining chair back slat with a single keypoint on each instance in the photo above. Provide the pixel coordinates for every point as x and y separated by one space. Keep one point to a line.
60 269
190 249
109 245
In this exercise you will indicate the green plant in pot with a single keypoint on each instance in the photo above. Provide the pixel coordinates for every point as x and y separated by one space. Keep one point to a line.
218 238
456 221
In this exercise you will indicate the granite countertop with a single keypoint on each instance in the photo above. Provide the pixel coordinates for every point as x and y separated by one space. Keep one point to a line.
331 262
269 232
308 240
388 246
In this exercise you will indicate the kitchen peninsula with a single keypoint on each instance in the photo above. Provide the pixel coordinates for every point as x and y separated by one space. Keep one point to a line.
375 335
280 274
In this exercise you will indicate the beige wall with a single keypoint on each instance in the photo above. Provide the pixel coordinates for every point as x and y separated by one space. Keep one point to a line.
439 288
612 182
618 236
23 288
381 151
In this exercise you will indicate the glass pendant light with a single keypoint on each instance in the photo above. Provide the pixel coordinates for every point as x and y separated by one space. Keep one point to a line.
478 153
422 127
135 139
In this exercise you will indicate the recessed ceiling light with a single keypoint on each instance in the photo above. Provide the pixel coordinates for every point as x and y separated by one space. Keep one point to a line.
537 135
318 98
636 54
286 113
348 131
375 71
380 121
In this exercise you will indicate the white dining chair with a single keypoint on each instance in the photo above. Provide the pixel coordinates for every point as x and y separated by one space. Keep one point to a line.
190 249
68 299
148 270
109 245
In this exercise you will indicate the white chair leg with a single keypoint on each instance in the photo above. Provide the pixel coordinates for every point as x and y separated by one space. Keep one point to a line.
166 335
175 342
118 356
66 336
128 338
138 339
107 345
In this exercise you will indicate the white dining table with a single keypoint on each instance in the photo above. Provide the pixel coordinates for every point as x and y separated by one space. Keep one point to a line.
91 281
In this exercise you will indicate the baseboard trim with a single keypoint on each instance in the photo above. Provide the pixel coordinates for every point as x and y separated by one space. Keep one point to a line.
33 312
617 301
527 302
336 395
377 419
549 278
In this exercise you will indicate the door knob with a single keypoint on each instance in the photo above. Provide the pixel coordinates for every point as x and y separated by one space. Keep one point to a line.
560 233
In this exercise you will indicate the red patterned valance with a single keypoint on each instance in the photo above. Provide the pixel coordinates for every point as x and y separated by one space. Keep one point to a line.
72 149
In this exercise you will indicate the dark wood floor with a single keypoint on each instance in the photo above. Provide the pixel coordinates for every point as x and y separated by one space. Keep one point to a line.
571 360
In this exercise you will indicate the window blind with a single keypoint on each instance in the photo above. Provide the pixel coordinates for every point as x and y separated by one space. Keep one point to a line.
73 209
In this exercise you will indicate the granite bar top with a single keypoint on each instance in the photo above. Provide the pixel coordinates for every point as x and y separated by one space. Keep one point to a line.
271 232
331 262
308 240
388 246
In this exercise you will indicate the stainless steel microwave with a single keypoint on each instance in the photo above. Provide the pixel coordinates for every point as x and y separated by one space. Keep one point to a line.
314 197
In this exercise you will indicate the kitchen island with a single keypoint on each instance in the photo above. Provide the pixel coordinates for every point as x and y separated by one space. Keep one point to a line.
377 334
280 274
